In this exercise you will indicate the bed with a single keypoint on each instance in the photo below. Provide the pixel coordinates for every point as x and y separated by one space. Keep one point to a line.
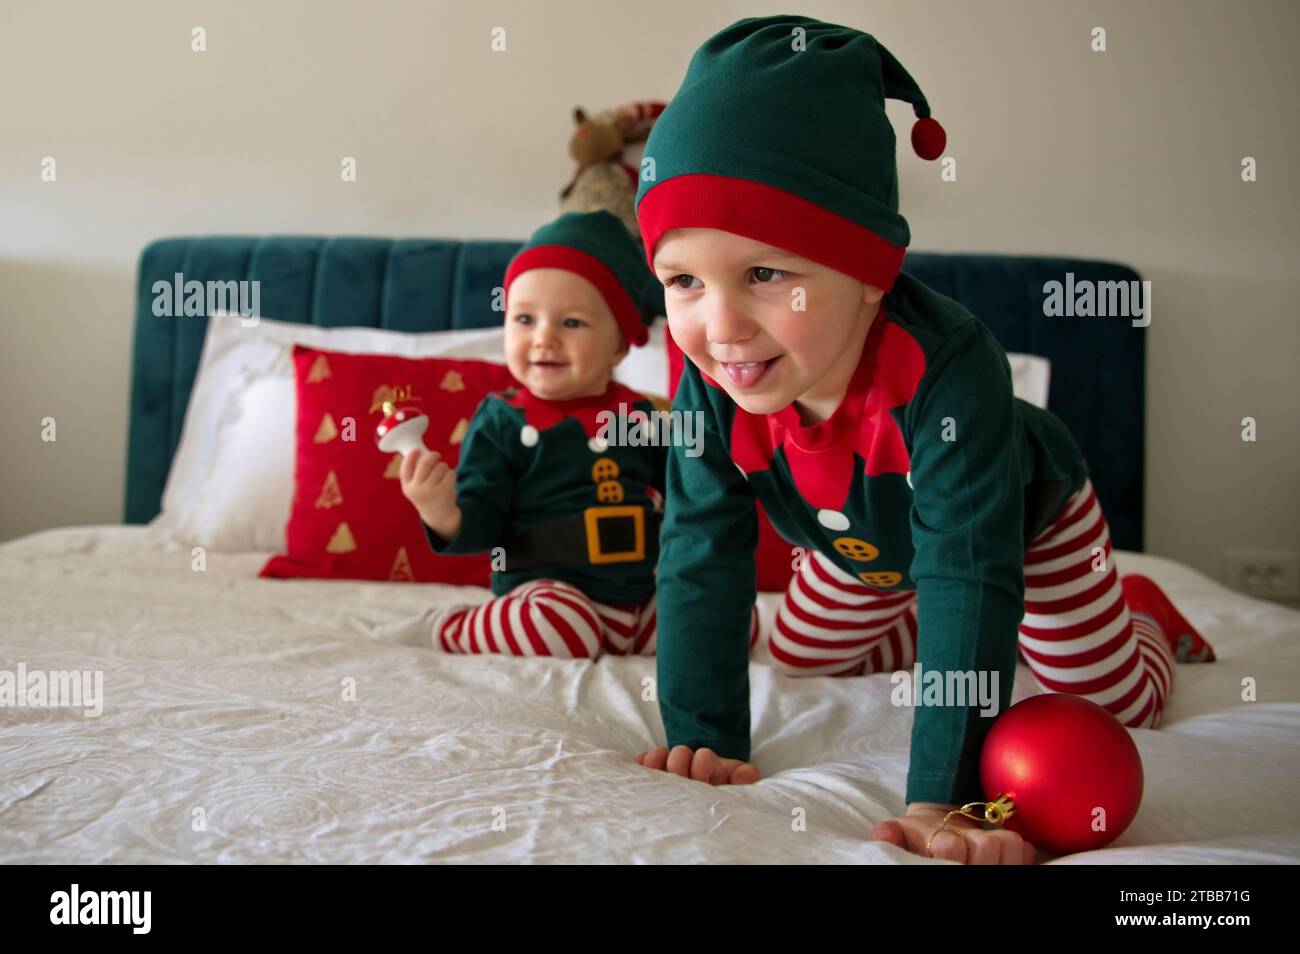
254 720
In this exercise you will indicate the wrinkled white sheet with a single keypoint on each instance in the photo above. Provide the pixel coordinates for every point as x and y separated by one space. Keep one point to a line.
226 736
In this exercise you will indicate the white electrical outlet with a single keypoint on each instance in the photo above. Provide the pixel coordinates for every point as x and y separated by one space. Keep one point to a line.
1272 574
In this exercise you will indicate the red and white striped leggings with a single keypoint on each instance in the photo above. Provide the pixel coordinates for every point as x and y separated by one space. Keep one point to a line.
552 618
1077 635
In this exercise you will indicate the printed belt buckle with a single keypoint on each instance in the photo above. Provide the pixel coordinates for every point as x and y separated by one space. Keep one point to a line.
593 517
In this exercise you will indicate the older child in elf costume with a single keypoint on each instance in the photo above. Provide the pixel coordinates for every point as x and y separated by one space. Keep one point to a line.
874 418
576 517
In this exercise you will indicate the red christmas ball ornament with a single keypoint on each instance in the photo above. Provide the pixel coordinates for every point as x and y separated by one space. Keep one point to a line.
928 138
1069 770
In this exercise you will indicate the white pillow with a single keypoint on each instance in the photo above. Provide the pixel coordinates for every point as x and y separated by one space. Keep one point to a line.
244 502
645 369
230 486
1030 374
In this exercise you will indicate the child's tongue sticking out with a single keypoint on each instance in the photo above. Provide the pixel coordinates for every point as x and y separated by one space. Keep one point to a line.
747 374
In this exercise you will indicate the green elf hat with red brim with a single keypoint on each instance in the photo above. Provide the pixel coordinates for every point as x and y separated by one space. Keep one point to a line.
597 246
779 134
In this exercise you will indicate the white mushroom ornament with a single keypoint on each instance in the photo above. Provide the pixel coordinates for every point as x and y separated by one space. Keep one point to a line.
401 430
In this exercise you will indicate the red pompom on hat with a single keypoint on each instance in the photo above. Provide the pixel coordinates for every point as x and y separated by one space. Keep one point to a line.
928 138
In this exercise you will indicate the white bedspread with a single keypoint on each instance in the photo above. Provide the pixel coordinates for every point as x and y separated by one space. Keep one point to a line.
226 735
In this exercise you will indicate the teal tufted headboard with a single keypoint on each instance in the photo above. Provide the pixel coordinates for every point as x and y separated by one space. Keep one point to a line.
1098 364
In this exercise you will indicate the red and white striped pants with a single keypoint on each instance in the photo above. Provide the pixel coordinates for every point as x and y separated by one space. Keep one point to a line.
552 618
1077 635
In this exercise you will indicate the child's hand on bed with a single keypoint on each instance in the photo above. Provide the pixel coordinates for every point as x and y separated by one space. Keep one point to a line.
430 485
703 765
961 841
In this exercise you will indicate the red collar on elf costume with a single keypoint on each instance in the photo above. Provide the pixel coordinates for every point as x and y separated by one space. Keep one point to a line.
542 414
820 456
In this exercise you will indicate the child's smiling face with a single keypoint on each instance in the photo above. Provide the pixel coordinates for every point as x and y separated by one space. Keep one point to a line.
770 327
562 341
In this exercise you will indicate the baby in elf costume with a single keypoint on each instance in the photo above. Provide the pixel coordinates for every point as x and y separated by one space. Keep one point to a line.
571 519
946 521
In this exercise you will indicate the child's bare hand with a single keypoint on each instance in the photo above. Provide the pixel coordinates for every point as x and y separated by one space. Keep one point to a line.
961 841
703 765
430 485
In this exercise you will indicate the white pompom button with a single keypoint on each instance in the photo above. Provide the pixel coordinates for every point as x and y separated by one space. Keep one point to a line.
598 445
832 520
528 435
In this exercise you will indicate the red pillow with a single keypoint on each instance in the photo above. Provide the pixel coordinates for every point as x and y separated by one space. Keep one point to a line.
349 519
774 556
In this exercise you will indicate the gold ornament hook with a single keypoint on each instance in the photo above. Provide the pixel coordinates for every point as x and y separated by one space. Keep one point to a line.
996 812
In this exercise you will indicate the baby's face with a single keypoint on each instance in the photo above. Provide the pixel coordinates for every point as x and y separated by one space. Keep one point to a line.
561 338
766 324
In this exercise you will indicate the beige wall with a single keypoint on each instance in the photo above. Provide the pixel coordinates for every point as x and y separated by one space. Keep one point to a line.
1131 155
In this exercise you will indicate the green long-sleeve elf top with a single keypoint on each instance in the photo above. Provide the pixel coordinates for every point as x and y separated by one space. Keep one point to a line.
930 476
526 461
